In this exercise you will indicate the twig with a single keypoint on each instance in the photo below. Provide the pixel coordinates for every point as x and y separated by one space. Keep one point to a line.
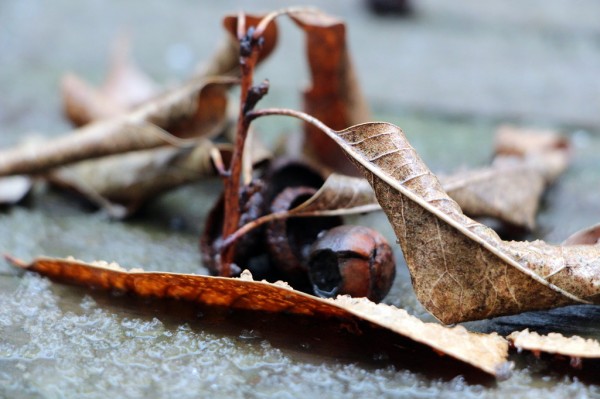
249 96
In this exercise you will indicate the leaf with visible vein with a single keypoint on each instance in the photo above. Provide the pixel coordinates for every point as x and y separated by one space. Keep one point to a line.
461 270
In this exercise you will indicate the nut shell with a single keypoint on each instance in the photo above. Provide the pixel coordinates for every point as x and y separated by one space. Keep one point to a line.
352 260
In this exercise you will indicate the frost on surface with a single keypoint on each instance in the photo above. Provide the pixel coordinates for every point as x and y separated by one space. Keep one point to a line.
87 351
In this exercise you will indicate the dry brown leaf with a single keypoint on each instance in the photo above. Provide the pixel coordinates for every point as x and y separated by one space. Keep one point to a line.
195 110
587 236
125 87
334 96
339 195
510 190
14 188
507 191
122 183
461 270
511 140
575 347
487 353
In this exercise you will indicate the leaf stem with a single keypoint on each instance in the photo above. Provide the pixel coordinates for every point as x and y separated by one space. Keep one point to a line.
250 116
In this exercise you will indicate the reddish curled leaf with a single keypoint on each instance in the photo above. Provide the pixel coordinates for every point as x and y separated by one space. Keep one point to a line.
125 86
487 353
575 347
334 96
197 109
461 270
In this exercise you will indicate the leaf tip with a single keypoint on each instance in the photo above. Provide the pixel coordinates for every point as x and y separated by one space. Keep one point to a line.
15 261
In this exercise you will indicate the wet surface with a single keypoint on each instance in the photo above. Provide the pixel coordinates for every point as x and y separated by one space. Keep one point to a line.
449 76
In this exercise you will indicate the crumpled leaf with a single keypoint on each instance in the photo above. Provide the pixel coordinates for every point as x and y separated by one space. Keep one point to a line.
14 188
125 87
575 347
527 161
510 140
487 353
461 270
334 96
197 109
339 195
509 190
122 183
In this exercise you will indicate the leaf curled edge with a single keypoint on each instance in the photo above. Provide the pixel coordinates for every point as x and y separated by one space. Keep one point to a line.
486 352
461 269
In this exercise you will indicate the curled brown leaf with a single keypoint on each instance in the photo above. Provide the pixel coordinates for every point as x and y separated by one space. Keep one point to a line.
334 95
461 270
122 183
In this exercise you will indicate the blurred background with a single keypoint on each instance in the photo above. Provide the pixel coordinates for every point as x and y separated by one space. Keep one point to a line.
528 61
448 73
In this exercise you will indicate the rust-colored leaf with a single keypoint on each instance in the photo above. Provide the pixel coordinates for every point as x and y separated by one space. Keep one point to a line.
576 348
197 109
487 353
334 95
125 87
461 270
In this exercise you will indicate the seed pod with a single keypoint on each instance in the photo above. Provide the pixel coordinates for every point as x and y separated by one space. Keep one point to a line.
250 252
289 240
352 260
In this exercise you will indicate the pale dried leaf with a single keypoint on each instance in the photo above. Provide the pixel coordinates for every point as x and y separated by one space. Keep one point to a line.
511 140
197 109
122 183
587 236
125 87
339 195
487 353
508 192
461 270
556 344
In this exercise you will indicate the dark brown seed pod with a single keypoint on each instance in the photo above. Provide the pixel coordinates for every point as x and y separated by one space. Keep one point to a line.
352 260
250 251
289 240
